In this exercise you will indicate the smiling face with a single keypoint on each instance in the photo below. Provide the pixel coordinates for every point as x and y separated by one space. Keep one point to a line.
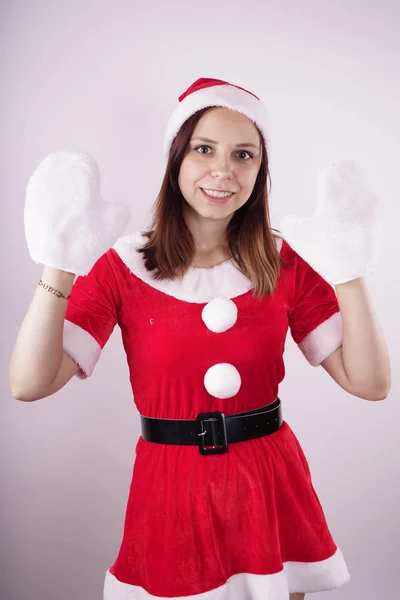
223 155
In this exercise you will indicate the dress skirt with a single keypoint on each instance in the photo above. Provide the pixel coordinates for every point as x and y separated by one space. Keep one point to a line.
243 525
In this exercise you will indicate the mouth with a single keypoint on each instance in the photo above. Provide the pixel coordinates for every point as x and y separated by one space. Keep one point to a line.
217 196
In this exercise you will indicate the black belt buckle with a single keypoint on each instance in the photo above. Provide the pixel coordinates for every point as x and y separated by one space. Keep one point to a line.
201 432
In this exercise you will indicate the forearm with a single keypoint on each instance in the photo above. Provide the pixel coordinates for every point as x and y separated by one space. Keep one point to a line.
365 354
37 352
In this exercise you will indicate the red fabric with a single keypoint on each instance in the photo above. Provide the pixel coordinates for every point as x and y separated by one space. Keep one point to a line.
95 301
193 521
313 299
206 82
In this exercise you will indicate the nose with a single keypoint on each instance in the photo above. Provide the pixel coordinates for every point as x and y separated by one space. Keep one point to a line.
222 168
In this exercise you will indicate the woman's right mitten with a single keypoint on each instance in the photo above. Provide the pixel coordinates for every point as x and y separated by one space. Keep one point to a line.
68 226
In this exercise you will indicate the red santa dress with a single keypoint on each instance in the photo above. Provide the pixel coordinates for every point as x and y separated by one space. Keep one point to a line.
245 524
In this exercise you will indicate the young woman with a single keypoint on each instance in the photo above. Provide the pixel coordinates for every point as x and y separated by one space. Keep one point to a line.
221 504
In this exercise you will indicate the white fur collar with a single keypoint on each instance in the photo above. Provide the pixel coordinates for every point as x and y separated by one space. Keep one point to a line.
198 285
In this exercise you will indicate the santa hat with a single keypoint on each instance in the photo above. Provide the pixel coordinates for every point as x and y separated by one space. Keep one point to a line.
207 92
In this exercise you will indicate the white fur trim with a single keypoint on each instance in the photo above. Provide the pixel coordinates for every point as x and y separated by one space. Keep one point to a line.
323 575
295 577
198 285
325 339
218 95
81 347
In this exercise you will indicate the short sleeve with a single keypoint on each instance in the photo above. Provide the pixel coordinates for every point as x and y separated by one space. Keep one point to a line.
91 315
314 317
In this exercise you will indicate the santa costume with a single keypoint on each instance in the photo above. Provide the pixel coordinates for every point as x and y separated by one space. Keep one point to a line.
227 519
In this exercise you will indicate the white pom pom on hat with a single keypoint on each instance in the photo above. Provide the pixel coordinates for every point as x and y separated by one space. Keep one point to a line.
206 92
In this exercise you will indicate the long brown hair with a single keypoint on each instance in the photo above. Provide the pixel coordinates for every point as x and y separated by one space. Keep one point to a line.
170 248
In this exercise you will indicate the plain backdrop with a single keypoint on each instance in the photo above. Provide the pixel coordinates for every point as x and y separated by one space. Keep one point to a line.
103 77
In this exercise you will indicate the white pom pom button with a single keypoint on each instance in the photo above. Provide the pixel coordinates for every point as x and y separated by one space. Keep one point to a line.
222 380
220 314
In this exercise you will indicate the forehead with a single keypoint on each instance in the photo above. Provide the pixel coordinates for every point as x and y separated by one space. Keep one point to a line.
226 123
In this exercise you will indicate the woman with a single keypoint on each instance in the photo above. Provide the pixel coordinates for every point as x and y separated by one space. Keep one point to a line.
221 503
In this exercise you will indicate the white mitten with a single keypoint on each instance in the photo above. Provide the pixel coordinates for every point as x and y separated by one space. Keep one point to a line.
341 240
68 226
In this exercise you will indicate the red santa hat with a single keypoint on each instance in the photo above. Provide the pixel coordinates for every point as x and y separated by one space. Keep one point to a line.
207 92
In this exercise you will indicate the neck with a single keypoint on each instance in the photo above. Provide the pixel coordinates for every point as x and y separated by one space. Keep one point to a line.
210 241
203 260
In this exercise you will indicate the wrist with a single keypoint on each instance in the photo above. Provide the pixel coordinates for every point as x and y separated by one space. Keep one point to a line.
60 280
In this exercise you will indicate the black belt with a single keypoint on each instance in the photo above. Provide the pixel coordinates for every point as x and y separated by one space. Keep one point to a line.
212 431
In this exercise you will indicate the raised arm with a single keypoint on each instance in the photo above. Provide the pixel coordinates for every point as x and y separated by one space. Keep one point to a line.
67 226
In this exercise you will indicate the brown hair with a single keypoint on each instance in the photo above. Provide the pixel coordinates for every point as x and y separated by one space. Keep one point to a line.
170 247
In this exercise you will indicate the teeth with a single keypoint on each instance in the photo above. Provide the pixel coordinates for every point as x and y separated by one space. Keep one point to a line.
215 194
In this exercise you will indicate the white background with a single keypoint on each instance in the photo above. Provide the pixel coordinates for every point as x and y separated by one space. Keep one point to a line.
104 77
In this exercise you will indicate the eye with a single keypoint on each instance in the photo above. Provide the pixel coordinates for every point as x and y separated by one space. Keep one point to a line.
249 155
245 152
199 148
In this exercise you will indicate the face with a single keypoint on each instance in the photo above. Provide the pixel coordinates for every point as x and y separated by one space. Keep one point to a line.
223 155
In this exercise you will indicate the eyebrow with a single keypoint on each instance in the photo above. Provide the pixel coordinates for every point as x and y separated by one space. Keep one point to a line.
245 144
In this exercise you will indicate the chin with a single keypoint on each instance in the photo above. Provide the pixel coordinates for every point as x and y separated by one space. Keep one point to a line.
218 216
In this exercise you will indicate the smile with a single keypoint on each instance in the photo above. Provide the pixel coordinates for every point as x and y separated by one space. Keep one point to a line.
216 195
